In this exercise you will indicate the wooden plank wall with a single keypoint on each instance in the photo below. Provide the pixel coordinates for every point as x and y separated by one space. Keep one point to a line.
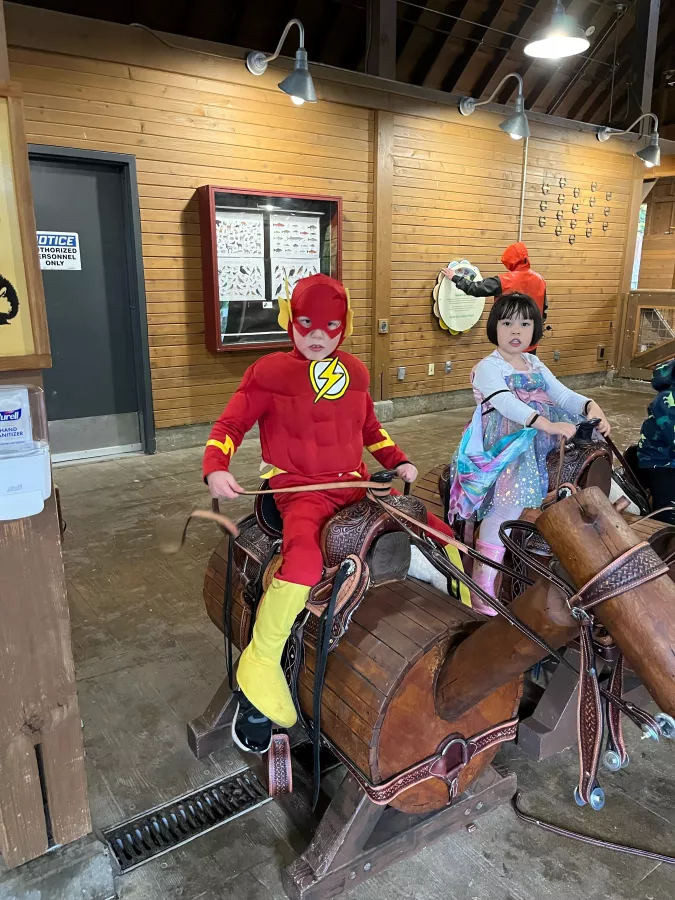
657 265
187 131
454 187
456 194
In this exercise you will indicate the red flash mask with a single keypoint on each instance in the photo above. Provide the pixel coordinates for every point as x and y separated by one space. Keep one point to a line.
322 300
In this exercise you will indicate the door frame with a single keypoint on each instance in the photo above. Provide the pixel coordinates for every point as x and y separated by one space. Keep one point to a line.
136 277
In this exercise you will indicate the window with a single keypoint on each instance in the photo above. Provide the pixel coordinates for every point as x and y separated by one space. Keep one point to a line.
255 247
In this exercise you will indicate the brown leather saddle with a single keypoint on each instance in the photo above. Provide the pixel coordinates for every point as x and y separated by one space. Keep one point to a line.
584 462
362 532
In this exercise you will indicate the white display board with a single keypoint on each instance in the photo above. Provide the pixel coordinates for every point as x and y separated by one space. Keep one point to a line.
456 310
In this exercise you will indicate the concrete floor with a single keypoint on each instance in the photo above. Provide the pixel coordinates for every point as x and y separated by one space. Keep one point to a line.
148 659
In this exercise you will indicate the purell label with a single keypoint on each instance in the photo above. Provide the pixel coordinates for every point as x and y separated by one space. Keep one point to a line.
15 427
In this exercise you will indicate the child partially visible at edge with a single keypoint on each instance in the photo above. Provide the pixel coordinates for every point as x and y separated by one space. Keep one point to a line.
523 410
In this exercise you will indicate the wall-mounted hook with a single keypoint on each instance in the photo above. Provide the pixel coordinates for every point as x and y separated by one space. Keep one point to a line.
559 215
558 230
591 201
542 221
605 226
545 188
572 238
590 218
543 206
575 208
607 210
563 181
577 191
608 195
594 185
561 198
573 223
589 232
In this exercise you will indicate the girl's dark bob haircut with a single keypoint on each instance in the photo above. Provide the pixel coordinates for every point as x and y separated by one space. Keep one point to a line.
515 306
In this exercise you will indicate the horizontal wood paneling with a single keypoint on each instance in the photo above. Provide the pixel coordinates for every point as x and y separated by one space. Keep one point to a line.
193 120
457 194
186 132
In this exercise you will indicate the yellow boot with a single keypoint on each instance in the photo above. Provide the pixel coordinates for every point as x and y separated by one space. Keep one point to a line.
259 673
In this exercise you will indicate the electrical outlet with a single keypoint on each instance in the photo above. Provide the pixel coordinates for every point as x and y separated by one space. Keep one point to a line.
448 366
556 355
432 368
383 326
400 373
600 355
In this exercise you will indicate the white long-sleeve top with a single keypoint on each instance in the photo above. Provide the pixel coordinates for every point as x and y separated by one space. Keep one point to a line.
489 377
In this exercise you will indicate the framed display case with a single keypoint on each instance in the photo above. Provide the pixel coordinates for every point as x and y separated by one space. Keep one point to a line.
254 243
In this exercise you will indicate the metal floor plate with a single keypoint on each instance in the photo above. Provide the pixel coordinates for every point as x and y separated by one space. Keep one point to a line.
162 829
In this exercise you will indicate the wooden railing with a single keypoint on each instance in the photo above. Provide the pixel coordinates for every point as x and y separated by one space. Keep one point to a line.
649 332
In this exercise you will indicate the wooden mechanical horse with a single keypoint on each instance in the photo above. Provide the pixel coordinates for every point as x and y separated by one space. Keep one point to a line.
418 691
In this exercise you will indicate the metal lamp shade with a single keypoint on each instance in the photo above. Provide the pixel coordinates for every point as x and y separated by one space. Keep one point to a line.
651 155
517 125
299 83
564 37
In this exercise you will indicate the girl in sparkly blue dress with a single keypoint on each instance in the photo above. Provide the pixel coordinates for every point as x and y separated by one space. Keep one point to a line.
522 411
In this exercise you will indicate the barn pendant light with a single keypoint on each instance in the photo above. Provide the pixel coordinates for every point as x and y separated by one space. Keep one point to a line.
651 154
298 85
516 125
563 37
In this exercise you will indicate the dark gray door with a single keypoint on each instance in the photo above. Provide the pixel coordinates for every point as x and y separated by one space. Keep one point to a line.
91 389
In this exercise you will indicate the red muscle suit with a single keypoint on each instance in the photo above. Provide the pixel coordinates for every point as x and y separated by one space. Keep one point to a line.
315 417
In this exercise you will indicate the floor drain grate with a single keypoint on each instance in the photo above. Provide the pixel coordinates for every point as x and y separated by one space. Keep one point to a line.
166 827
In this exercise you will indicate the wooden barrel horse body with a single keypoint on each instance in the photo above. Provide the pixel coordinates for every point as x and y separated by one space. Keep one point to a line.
378 702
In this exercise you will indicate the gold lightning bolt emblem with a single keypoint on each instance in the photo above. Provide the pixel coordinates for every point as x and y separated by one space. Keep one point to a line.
329 379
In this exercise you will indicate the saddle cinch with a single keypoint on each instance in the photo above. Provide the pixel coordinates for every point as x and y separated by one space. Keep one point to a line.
362 533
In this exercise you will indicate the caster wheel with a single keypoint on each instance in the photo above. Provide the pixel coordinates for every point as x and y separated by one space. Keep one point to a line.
667 725
626 762
597 798
611 761
578 798
649 733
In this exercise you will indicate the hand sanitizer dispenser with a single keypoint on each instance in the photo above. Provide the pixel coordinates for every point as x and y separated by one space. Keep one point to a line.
25 465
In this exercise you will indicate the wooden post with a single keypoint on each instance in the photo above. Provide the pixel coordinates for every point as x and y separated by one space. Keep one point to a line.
497 652
380 327
643 61
587 533
43 792
381 47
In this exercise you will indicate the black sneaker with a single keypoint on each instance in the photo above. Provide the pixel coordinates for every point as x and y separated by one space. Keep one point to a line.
251 730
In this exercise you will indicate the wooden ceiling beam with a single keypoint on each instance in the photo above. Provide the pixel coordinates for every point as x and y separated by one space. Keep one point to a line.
477 57
643 56
381 47
422 54
527 22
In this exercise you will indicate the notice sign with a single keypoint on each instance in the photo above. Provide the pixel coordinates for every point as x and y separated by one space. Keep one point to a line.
59 250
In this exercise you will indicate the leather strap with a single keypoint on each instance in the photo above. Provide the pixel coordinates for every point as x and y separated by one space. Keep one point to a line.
615 738
589 714
279 767
637 566
587 839
453 754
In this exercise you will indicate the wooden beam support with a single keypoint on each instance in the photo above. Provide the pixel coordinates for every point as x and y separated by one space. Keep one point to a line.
384 182
381 54
643 54
4 60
